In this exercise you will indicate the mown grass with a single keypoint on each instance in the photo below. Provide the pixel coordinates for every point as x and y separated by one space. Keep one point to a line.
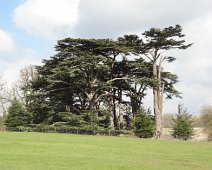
40 151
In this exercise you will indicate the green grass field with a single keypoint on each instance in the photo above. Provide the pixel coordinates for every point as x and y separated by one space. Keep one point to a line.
39 151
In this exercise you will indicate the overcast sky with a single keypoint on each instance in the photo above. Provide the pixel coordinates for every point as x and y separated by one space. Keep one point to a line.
29 30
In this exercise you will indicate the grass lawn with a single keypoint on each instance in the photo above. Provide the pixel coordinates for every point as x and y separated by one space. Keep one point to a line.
41 151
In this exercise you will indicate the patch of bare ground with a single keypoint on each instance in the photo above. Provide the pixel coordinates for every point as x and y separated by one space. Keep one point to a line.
199 134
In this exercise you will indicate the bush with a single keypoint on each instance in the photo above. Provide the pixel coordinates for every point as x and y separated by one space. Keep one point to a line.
70 118
61 128
183 124
143 124
90 117
17 116
206 117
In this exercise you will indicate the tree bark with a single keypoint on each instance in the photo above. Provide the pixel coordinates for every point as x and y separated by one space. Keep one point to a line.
158 100
114 110
111 109
121 115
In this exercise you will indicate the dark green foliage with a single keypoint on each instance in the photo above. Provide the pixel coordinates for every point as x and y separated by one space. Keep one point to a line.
169 80
17 115
83 77
70 119
91 81
144 124
90 117
62 128
87 118
183 124
41 109
165 39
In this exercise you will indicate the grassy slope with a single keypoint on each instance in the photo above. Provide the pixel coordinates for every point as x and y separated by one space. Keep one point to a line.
37 151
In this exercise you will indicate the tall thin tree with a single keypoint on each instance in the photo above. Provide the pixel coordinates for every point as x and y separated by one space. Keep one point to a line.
156 42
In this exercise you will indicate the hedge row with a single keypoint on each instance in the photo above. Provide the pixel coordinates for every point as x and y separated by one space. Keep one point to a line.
71 130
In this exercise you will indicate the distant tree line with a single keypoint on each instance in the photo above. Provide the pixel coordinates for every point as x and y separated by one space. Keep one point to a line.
101 82
206 119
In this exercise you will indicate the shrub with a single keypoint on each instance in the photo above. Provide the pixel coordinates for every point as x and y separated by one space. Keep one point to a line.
143 124
17 116
70 118
90 117
183 124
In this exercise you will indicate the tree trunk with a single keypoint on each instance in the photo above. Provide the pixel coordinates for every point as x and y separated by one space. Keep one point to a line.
114 110
158 100
157 114
111 123
134 104
112 113
121 118
111 109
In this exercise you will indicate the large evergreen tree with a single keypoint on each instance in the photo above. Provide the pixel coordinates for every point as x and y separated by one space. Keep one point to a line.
85 75
152 47
158 41
105 76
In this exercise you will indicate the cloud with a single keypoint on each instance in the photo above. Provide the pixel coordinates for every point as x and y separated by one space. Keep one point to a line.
193 66
51 19
199 56
108 18
197 63
7 43
12 68
55 19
